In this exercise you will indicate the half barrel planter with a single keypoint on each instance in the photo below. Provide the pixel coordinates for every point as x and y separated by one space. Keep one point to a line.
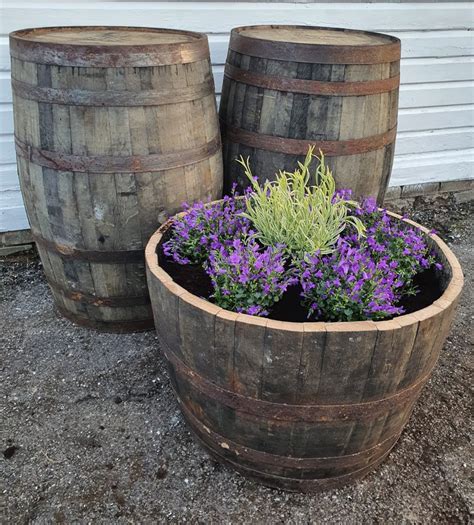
298 406
115 127
286 87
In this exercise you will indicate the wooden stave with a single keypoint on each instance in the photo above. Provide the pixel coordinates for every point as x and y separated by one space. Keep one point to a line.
104 309
375 166
166 299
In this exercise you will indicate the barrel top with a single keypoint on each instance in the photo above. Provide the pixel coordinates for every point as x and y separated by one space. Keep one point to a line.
108 46
315 35
315 44
105 36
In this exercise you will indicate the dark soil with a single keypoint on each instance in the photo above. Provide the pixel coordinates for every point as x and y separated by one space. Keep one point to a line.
289 307
429 286
191 277
90 430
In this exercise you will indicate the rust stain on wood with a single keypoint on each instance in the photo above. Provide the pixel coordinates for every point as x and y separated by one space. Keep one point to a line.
116 164
330 148
312 87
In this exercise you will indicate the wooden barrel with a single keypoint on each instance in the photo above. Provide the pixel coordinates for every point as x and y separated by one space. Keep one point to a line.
286 87
115 128
300 406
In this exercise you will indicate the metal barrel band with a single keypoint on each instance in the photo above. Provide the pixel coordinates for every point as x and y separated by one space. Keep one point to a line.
95 256
364 411
295 484
134 325
93 300
289 146
109 98
228 446
93 55
312 87
118 164
316 54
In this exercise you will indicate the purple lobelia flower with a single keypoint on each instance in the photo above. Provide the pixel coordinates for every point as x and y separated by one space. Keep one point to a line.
348 285
205 228
365 277
403 246
248 278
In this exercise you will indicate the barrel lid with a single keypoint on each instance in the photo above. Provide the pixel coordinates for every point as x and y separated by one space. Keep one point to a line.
108 46
324 45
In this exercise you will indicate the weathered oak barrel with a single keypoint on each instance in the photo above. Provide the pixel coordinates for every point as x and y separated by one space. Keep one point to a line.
286 87
115 127
300 406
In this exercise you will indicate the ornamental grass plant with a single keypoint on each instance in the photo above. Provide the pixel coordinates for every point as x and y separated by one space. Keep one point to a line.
348 260
304 217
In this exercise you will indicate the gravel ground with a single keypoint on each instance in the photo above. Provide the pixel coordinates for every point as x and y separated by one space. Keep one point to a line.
91 432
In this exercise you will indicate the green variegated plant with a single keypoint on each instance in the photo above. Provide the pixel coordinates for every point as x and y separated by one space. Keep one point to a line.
305 218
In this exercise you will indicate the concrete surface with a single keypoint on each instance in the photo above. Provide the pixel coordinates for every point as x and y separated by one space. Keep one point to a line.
91 432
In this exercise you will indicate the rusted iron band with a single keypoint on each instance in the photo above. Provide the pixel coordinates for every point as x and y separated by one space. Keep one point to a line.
330 148
94 300
116 164
316 53
110 56
95 256
365 411
80 97
227 446
312 87
294 484
134 325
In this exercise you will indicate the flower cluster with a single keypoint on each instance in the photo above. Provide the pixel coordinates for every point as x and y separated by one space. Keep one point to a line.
395 240
206 227
352 261
349 285
365 277
248 278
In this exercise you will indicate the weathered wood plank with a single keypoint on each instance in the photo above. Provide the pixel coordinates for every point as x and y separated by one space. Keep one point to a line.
249 354
196 322
281 359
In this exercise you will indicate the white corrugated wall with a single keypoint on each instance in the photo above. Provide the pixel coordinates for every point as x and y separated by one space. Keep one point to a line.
435 133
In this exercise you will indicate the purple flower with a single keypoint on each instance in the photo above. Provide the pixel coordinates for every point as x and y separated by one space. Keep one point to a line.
253 277
366 277
205 228
363 278
362 290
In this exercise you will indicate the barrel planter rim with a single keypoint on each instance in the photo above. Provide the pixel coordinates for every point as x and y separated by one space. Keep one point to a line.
449 295
111 54
378 52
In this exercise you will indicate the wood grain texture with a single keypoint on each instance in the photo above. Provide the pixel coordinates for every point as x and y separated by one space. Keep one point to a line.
311 404
272 111
105 207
